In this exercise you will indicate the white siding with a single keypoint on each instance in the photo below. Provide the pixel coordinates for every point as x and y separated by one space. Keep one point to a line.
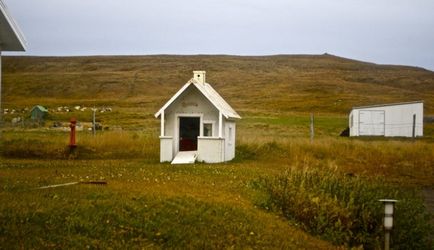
398 120
166 148
210 150
230 140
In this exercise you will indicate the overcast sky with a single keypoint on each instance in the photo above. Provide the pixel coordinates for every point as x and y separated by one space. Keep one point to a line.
379 31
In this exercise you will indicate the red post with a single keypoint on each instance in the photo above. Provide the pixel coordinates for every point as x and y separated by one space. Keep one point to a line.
72 143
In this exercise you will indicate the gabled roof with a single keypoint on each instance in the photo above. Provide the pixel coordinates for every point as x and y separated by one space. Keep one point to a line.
11 38
41 108
210 93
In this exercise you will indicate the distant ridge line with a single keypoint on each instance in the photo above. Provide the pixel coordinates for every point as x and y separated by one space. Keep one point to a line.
324 55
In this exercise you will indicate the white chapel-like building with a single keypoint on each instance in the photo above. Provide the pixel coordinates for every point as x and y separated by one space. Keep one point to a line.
197 124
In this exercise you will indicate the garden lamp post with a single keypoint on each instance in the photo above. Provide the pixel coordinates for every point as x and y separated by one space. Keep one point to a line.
389 206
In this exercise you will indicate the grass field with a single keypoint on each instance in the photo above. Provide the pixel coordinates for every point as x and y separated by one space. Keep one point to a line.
239 204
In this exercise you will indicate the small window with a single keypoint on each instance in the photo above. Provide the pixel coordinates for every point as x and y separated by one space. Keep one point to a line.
207 129
230 135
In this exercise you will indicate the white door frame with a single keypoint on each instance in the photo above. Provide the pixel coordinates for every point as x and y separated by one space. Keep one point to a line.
176 127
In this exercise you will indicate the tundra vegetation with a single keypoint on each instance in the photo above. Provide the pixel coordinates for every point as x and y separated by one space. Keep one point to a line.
282 190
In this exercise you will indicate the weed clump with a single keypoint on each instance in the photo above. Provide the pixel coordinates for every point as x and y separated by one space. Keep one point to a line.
346 210
255 151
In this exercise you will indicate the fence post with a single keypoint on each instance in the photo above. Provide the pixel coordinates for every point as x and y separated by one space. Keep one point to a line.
93 121
312 132
414 126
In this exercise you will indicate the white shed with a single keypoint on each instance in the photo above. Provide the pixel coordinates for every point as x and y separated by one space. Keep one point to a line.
395 119
197 124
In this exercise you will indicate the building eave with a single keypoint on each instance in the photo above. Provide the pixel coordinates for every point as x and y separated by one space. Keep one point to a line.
216 100
387 104
11 37
171 100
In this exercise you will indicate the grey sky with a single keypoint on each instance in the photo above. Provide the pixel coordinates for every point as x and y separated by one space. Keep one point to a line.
380 31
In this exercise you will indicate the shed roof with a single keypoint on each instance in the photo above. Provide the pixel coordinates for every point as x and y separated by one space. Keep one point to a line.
11 38
210 93
41 108
388 104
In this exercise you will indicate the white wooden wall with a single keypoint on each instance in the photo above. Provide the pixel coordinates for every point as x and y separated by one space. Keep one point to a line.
390 121
193 103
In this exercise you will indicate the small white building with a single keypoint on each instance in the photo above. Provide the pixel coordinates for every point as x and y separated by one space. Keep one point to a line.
197 124
395 119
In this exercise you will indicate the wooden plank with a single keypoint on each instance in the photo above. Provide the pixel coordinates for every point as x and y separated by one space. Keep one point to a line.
185 157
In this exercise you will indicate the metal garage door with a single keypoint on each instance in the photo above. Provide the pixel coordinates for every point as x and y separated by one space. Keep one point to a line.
371 122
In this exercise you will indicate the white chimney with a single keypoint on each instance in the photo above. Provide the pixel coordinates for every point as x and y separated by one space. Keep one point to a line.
199 76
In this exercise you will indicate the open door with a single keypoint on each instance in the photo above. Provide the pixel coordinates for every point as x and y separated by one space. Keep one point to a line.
189 130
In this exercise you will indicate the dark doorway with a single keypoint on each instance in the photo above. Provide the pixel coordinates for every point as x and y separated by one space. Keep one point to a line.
189 130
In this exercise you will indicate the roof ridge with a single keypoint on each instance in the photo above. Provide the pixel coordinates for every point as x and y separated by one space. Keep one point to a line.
387 104
210 93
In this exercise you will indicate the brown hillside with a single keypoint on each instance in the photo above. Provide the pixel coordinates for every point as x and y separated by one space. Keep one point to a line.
282 83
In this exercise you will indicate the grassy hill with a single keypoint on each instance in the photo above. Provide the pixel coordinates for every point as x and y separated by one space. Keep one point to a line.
264 84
